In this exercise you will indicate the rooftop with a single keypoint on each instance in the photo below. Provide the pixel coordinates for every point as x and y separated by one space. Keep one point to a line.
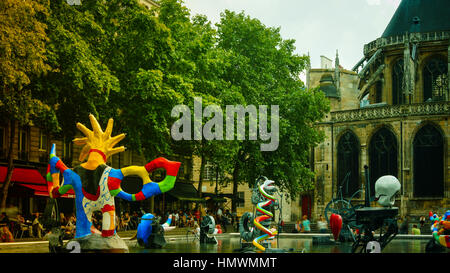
418 16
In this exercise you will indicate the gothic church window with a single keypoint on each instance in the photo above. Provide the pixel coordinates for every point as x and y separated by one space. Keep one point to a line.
428 163
382 156
435 80
397 83
348 163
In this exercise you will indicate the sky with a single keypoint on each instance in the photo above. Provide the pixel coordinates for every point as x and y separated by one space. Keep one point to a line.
319 27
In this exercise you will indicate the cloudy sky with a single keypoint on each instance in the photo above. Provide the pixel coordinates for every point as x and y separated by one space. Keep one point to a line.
319 27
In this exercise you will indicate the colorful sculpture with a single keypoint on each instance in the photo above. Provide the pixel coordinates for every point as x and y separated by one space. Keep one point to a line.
150 234
266 215
258 229
386 187
441 228
95 184
336 225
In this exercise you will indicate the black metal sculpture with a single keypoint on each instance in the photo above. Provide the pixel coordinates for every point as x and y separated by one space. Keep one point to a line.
369 219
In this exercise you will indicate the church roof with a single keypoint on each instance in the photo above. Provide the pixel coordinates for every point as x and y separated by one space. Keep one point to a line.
419 16
327 86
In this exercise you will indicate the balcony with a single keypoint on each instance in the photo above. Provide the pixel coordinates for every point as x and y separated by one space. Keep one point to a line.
392 111
373 46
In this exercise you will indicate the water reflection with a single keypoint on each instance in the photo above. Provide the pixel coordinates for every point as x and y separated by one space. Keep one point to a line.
232 244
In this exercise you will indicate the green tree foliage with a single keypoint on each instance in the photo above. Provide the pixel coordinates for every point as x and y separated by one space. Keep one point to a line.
265 71
22 56
119 59
79 81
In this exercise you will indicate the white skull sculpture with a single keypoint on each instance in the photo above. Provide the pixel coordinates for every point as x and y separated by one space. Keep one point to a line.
385 189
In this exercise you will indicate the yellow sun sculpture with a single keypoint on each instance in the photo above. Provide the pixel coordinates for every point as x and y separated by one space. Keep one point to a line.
95 184
97 140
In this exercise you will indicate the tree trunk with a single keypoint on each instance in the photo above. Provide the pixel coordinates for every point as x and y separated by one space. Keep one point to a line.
202 169
235 186
10 165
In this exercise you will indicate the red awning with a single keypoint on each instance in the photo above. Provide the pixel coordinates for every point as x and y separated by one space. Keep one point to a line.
30 178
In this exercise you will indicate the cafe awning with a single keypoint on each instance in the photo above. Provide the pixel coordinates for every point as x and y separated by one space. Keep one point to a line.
30 178
218 198
185 192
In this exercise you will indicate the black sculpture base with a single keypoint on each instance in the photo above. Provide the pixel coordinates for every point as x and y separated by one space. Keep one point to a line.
205 239
155 241
433 247
371 219
369 215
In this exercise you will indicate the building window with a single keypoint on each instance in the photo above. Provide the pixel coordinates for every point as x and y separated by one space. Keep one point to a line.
428 163
209 172
67 151
378 91
348 164
240 203
43 141
435 81
382 156
23 144
397 83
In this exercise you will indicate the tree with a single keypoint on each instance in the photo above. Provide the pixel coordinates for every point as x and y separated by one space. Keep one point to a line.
22 56
79 82
265 71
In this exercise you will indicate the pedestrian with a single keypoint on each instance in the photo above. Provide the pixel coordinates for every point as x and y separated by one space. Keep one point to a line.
297 227
197 216
306 224
177 219
322 225
37 226
415 230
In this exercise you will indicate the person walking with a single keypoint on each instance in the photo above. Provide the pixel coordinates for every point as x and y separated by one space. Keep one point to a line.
306 224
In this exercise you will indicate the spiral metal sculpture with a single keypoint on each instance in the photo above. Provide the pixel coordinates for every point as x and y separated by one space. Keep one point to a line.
268 234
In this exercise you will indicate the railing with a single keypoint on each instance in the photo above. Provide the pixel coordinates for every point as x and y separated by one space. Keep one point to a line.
400 39
392 111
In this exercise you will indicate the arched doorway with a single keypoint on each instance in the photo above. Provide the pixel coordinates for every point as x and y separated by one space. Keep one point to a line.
383 154
348 163
428 162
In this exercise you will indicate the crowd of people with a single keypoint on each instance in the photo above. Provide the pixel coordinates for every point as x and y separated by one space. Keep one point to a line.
14 225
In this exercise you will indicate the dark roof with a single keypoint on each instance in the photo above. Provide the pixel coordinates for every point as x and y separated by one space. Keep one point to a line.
327 86
419 16
185 192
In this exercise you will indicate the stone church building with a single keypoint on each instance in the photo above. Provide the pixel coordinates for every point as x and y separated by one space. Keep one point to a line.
390 112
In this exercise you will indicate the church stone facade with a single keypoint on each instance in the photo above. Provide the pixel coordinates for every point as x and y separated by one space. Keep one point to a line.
390 112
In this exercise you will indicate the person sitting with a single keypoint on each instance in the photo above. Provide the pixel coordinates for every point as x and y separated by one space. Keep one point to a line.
322 225
125 221
5 233
70 227
134 220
